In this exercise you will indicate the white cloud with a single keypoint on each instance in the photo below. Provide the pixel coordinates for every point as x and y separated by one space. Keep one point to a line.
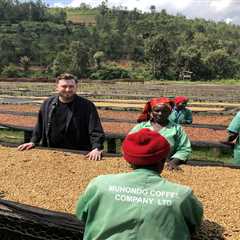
217 10
220 5
143 5
59 4
139 4
180 5
228 20
76 3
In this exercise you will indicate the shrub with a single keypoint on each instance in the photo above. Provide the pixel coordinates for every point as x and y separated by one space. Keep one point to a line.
10 71
110 72
140 72
25 62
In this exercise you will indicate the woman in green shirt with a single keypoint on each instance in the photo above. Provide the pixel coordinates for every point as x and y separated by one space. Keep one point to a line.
139 205
155 117
180 113
233 137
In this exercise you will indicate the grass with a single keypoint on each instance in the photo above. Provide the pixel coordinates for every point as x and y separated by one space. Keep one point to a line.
11 136
212 155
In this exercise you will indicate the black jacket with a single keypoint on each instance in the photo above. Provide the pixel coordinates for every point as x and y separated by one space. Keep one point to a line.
90 133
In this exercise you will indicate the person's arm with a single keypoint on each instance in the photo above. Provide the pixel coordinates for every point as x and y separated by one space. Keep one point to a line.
173 164
188 118
172 117
230 140
182 150
234 127
192 211
182 147
36 135
97 135
37 131
82 206
233 130
232 136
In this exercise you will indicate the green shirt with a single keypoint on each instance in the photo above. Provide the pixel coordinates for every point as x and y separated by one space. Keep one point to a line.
181 116
176 136
234 126
140 205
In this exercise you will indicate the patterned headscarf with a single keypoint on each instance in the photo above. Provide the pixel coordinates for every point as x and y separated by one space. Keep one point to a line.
145 115
180 99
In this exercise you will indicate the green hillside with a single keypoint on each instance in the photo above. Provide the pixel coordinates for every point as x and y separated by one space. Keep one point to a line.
78 15
88 41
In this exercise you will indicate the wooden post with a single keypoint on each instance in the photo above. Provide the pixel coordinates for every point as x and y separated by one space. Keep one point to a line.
111 145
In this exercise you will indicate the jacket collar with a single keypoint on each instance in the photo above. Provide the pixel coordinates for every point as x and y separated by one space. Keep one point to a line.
147 171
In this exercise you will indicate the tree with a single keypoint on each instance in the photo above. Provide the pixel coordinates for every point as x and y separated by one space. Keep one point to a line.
79 59
25 62
10 71
99 57
25 43
7 51
221 64
158 54
153 9
61 63
190 59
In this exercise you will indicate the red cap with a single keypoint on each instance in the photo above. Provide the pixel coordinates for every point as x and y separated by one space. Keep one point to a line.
145 147
180 99
145 115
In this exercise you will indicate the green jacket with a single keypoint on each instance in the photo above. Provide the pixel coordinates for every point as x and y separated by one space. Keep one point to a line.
140 205
234 126
181 117
176 136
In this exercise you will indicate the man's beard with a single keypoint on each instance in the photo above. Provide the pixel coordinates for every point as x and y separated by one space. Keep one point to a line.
66 98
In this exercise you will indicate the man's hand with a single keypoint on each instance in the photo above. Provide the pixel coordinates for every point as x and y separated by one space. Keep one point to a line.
95 155
173 164
26 146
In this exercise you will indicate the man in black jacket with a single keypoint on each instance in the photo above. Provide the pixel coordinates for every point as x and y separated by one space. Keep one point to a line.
68 121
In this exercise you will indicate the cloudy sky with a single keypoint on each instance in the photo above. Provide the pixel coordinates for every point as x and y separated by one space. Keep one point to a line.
218 10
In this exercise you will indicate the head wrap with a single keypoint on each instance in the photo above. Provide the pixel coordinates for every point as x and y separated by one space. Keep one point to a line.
145 115
145 147
180 99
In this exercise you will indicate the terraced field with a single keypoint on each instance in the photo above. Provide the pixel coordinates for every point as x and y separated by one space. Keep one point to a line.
131 90
119 122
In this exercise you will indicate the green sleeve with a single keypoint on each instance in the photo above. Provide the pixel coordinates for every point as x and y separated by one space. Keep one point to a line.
172 117
182 149
192 211
234 125
186 117
83 202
